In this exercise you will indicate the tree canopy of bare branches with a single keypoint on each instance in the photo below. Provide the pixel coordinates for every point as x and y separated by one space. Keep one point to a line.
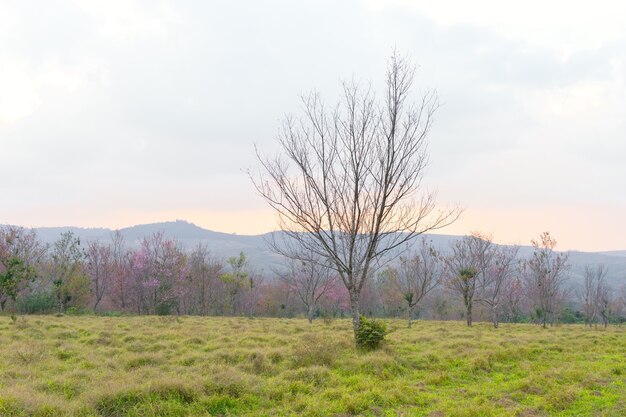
416 276
345 185
497 284
589 292
100 268
466 267
545 276
310 280
604 295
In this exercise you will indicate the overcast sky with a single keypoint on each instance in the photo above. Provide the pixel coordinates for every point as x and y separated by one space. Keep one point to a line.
114 113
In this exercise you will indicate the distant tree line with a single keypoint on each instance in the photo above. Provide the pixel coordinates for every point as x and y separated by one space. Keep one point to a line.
475 279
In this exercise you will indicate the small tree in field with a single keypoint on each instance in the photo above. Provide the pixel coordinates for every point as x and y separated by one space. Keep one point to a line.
545 275
205 271
235 280
605 301
121 284
70 283
158 273
416 276
12 274
346 184
589 293
498 285
466 268
512 300
621 303
20 252
310 280
101 269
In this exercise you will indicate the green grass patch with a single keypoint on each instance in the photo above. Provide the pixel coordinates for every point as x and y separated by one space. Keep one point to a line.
192 366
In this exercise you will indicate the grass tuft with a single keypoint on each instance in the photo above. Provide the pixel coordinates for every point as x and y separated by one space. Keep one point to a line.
89 366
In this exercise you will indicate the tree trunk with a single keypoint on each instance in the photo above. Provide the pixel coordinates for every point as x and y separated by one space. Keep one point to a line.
309 315
469 313
494 317
203 308
411 308
354 306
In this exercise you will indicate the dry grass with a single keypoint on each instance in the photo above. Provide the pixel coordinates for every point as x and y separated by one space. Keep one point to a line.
192 366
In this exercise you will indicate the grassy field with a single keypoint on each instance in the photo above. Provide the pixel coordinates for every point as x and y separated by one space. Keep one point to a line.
192 366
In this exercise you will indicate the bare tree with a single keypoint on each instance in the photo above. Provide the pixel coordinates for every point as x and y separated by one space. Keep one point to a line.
497 279
545 275
466 267
251 296
310 280
417 275
205 271
121 283
604 300
101 270
588 293
345 186
512 299
621 303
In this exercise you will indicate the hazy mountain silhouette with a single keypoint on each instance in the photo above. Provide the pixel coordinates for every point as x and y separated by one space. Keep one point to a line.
261 256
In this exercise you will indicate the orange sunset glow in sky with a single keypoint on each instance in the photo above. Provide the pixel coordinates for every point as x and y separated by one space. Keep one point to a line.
122 112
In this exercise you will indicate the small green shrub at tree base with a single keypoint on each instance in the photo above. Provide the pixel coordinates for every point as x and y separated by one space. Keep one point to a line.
371 333
75 311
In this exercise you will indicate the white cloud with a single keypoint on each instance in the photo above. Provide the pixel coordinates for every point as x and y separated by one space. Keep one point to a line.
563 25
24 89
18 95
574 103
127 20
155 105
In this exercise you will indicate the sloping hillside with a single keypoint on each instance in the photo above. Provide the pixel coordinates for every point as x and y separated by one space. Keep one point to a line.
261 256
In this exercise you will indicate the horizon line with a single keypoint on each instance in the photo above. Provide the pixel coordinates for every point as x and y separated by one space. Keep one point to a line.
607 251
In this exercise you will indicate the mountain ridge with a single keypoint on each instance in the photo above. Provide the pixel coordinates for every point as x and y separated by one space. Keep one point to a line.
261 256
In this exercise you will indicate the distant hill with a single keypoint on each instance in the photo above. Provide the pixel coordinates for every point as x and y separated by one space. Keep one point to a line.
257 249
616 253
187 234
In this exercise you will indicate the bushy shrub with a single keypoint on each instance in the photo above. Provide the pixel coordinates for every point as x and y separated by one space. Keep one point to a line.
37 303
75 311
113 313
371 333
